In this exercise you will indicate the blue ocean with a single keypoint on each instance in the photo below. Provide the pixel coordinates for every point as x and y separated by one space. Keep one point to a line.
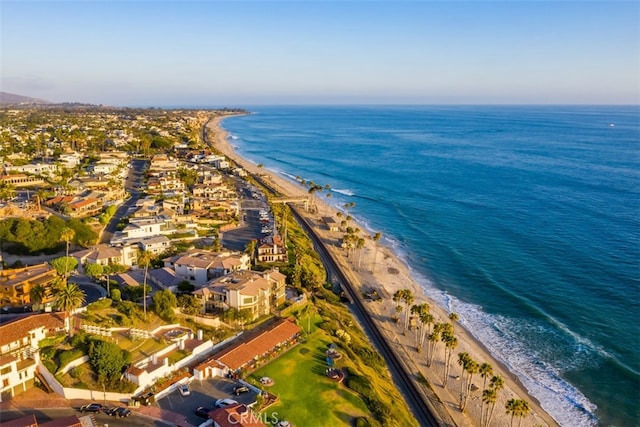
525 220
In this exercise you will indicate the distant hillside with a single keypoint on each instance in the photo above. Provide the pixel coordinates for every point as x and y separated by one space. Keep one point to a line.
11 98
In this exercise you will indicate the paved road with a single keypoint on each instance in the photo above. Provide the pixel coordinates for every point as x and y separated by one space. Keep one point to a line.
47 414
133 185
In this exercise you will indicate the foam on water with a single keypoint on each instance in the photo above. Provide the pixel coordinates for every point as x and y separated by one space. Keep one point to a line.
499 335
345 192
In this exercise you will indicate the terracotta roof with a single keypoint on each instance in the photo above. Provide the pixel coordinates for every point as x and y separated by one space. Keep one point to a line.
70 421
26 421
239 355
18 329
82 203
6 359
235 416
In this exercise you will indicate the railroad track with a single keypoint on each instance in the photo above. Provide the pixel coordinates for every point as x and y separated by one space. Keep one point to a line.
401 376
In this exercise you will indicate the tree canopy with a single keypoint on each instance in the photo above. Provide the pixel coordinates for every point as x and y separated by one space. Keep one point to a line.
108 361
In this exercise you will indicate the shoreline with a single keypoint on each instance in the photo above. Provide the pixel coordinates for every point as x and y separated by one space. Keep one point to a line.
391 274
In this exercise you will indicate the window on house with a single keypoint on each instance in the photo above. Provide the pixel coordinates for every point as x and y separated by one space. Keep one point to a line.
5 371
5 383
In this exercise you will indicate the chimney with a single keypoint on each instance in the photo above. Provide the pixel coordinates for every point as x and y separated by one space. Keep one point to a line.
155 358
182 344
199 334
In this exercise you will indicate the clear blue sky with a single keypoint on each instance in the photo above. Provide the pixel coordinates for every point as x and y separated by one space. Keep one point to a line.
224 53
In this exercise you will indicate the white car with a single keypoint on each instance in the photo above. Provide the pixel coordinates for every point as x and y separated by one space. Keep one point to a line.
221 403
184 390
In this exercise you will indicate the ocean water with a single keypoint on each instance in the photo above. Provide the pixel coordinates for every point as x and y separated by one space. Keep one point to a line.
525 220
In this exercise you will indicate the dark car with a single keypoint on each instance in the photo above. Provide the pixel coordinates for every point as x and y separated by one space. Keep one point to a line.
240 389
202 412
92 407
120 412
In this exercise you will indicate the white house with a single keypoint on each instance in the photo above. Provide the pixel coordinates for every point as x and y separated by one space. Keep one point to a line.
19 351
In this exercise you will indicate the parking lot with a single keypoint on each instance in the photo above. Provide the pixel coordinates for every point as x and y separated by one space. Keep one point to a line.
204 393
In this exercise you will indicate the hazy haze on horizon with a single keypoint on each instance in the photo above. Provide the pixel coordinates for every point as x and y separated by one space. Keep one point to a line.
222 53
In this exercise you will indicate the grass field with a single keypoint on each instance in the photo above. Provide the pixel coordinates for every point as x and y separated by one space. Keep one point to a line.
307 396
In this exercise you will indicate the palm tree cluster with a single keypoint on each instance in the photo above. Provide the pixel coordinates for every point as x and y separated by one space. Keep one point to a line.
517 408
444 332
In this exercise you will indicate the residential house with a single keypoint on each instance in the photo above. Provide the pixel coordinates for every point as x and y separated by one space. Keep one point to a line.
199 267
258 292
272 249
102 254
19 351
16 284
84 207
21 180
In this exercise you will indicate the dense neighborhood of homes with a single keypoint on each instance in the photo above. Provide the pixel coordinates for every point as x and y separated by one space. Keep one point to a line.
170 205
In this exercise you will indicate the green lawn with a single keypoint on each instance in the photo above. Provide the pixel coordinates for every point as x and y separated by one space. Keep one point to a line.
307 396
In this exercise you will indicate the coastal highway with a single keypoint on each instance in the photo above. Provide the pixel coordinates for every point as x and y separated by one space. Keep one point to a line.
420 408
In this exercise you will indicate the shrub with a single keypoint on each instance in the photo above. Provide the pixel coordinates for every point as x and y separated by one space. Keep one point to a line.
50 365
68 356
362 422
51 341
76 372
101 304
48 352
359 384
370 357
116 295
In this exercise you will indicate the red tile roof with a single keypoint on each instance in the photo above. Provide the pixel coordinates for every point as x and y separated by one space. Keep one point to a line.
70 421
26 421
18 329
242 353
235 416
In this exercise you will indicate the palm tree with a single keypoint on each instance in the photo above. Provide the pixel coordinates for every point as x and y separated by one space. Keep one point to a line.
359 245
472 368
486 370
517 408
434 338
376 237
422 311
489 397
408 298
454 318
37 294
68 298
496 382
67 234
144 259
397 297
463 360
450 342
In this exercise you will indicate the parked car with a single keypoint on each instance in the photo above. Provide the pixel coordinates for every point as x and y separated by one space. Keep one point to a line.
119 411
221 403
240 389
184 390
202 412
92 407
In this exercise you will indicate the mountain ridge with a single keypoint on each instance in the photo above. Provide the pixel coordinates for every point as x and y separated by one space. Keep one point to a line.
12 98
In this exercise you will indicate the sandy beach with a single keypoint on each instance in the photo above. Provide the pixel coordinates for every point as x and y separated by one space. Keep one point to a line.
390 275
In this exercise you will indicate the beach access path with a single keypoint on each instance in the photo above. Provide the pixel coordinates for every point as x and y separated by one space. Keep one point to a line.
391 274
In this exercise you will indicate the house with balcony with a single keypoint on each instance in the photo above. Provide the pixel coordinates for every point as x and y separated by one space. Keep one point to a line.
272 249
259 292
19 351
16 285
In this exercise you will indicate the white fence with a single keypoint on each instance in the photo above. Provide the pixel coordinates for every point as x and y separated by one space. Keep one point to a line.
77 393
